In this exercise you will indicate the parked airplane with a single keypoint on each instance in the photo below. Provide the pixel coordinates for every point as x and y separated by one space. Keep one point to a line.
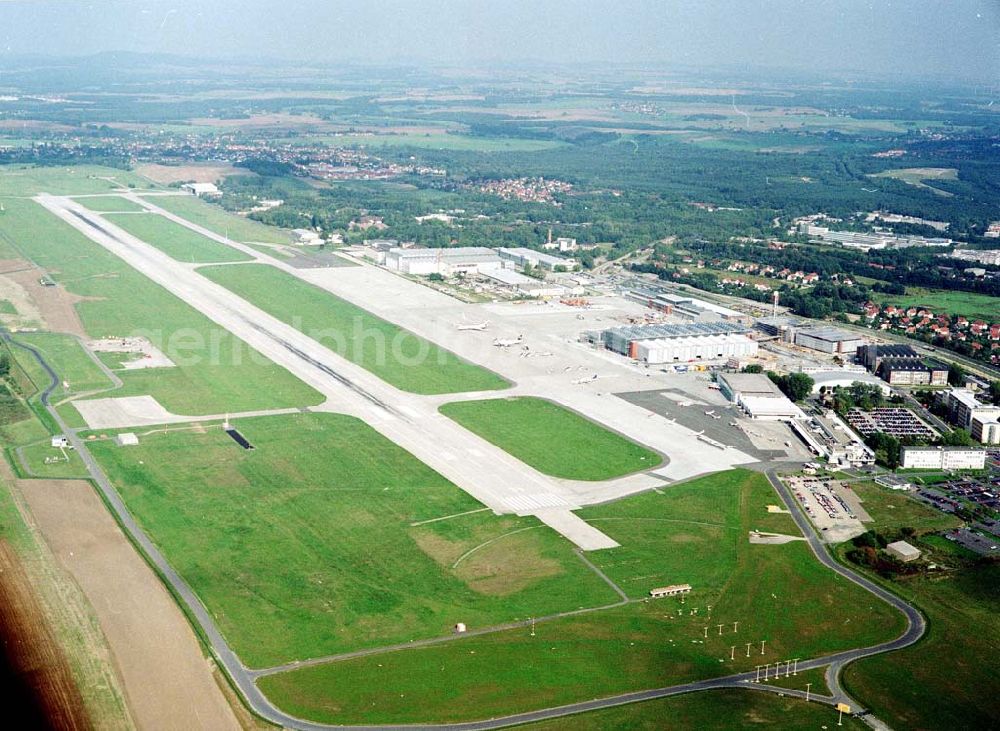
588 379
508 342
473 325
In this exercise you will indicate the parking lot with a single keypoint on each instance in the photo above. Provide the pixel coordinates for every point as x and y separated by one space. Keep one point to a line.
831 506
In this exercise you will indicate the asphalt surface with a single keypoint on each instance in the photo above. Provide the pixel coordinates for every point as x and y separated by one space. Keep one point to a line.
244 679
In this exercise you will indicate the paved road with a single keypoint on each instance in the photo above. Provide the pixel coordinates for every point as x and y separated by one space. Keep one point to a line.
244 678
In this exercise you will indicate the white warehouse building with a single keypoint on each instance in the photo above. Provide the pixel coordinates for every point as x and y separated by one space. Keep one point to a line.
942 458
829 340
695 347
522 257
475 259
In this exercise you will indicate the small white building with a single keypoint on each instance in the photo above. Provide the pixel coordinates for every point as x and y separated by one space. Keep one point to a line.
60 441
307 236
201 189
126 439
672 590
903 551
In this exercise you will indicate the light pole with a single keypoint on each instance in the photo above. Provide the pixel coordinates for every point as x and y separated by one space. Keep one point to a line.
795 670
720 630
762 646
765 671
734 627
808 686
748 648
732 652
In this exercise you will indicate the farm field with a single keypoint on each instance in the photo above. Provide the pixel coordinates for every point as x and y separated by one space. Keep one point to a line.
779 593
395 355
214 371
109 204
175 240
970 304
220 221
22 180
551 438
311 543
716 710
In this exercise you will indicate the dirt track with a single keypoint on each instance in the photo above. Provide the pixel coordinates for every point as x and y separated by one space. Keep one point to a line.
36 677
166 678
54 306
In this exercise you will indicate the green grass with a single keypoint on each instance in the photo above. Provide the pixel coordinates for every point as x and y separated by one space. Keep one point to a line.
969 304
944 681
305 546
778 593
175 240
217 371
894 509
69 465
720 710
815 677
109 204
220 221
22 180
7 308
552 439
72 364
395 355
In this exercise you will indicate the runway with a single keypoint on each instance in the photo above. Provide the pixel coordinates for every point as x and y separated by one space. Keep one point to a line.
493 477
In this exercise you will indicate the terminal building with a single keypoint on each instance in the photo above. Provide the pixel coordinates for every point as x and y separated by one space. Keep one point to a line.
759 398
942 458
682 342
829 340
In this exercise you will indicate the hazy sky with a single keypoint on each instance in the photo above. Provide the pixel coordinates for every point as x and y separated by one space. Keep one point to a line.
955 38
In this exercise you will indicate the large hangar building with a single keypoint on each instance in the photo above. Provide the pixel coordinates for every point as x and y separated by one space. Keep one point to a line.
680 343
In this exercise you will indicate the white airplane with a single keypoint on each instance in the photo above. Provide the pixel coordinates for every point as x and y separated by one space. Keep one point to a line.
588 379
508 342
709 413
473 325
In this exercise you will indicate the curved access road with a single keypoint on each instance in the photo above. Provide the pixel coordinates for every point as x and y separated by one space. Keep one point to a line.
244 679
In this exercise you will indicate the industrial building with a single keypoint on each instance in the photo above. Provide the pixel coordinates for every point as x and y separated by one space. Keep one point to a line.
781 327
446 262
943 458
829 340
201 189
524 285
903 551
529 257
871 356
690 308
757 395
912 372
680 342
695 347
